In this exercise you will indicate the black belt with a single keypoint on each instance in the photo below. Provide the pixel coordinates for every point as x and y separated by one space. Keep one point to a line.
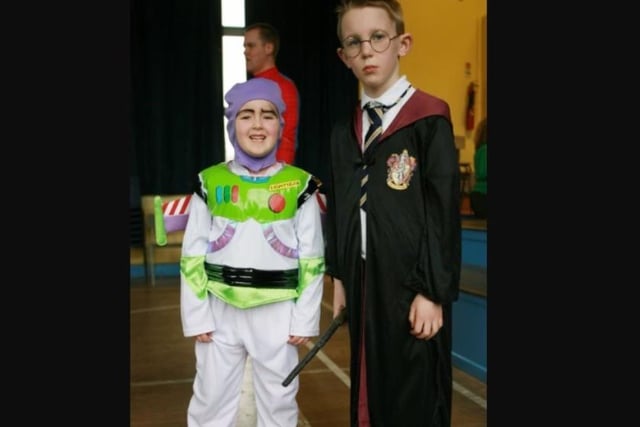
252 277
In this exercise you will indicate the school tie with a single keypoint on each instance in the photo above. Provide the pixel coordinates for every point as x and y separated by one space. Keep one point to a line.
374 112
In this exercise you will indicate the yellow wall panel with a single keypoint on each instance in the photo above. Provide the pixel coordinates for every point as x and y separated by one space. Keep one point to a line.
448 34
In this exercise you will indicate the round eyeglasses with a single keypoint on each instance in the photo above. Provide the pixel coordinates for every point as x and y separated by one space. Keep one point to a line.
379 41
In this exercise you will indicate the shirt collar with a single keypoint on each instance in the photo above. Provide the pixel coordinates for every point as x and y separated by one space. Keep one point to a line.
390 96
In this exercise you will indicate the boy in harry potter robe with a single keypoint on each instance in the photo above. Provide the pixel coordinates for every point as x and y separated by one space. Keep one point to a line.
393 229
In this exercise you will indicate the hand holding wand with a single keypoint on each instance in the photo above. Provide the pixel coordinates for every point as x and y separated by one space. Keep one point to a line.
333 327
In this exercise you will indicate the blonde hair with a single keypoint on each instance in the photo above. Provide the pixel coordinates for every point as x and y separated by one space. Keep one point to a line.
393 8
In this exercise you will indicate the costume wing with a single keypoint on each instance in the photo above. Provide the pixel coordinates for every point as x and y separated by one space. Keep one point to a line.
170 216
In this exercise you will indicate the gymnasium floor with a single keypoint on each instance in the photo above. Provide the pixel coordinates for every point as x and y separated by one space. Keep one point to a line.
162 367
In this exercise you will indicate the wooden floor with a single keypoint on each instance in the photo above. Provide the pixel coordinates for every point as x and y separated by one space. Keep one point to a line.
163 364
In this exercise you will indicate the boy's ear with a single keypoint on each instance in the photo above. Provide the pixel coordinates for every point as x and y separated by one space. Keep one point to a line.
406 41
342 57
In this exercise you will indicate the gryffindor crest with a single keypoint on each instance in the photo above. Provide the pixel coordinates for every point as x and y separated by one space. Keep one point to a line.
400 169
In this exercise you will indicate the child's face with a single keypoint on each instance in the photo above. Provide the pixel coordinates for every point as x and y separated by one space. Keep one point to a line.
376 71
258 128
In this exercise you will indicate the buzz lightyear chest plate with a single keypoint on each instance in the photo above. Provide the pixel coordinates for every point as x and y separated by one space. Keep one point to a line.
264 199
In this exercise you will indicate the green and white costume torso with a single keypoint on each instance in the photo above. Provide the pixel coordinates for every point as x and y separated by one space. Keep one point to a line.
246 224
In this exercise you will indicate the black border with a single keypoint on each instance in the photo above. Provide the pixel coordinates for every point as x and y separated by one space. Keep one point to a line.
68 132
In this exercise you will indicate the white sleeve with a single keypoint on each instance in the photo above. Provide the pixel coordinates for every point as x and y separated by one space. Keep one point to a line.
196 314
305 321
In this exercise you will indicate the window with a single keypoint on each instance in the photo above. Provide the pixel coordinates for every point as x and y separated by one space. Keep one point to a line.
234 69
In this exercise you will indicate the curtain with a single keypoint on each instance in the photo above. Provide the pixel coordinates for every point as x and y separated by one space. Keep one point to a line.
176 77
328 89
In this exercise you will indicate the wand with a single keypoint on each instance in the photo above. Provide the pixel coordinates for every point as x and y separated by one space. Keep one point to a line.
333 327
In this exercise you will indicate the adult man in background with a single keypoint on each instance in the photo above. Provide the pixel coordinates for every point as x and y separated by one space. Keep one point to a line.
261 45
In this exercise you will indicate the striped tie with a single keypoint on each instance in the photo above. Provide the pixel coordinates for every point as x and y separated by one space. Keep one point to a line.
374 110
375 113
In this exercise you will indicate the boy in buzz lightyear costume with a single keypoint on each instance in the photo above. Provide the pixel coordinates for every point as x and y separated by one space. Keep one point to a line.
252 267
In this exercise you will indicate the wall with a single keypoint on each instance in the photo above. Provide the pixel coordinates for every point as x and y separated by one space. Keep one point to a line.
469 347
446 35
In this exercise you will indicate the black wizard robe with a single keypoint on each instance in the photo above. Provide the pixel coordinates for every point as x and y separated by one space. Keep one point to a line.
413 246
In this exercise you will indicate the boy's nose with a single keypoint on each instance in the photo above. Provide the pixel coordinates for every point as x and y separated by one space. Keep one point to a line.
366 48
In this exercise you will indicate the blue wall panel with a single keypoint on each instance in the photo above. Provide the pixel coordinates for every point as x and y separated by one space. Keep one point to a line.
470 311
136 271
474 247
470 335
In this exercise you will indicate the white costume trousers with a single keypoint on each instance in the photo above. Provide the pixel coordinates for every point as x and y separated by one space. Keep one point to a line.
261 332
